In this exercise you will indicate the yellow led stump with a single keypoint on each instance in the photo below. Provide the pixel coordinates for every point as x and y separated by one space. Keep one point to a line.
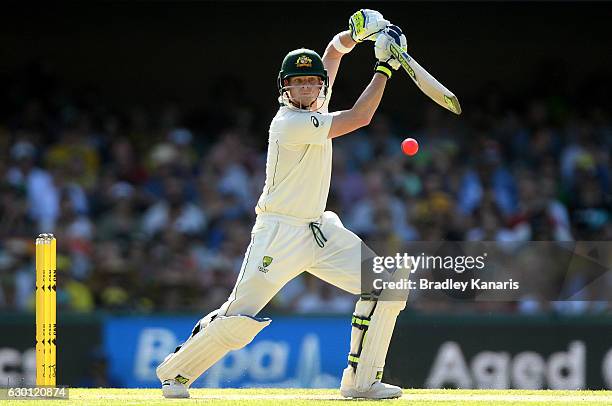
45 310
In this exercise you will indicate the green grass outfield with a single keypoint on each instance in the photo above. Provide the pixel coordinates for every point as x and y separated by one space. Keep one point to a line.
298 397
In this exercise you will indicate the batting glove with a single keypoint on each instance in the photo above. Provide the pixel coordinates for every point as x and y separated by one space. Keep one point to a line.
382 49
365 24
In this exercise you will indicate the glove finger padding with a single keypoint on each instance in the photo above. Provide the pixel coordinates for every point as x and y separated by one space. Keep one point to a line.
365 24
382 49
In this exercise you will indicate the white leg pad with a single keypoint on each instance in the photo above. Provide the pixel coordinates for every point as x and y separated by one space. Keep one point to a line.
360 323
363 311
376 343
203 349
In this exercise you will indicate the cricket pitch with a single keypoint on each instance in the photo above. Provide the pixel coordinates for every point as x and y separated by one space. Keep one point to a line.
299 397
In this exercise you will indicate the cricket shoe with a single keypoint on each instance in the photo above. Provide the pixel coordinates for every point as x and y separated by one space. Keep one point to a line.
173 389
378 390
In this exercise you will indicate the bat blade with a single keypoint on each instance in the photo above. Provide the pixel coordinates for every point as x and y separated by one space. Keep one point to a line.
427 83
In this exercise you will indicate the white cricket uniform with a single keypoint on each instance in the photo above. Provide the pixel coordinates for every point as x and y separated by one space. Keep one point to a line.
293 233
283 245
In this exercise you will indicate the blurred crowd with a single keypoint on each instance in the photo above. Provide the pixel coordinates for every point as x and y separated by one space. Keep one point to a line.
154 214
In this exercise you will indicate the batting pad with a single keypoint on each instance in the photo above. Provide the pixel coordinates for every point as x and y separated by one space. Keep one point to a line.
360 324
375 343
209 345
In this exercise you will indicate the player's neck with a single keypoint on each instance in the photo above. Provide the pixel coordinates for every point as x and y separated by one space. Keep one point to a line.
298 105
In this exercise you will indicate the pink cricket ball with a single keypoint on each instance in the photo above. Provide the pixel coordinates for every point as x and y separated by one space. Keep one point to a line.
410 146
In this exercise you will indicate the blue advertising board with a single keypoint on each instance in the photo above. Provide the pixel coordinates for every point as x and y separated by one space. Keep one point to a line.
307 352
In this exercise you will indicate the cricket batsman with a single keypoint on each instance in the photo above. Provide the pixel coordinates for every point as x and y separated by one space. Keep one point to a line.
293 233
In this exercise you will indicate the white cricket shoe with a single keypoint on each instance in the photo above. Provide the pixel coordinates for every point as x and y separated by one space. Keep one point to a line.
378 390
173 389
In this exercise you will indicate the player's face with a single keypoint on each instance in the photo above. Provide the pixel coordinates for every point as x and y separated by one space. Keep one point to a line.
304 90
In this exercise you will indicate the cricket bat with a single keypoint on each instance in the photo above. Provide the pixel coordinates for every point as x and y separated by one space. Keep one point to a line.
427 83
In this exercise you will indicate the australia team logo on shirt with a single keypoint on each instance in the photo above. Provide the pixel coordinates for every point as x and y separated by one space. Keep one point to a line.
266 263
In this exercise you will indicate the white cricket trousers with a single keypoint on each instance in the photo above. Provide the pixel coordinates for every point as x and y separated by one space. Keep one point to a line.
283 247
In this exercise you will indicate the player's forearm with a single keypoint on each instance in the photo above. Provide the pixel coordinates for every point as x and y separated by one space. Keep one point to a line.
362 112
338 46
368 102
346 44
